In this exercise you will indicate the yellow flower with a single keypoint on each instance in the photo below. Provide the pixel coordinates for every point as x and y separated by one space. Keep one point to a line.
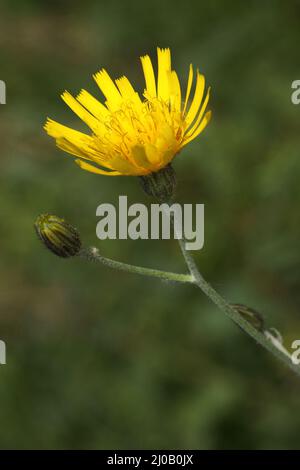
130 135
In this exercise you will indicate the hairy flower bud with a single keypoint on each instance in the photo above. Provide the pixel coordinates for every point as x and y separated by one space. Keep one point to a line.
160 184
58 235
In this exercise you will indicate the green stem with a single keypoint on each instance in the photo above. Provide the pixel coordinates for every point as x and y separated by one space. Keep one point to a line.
92 254
264 338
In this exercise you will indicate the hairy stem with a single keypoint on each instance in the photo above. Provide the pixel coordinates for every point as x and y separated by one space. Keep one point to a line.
92 254
264 338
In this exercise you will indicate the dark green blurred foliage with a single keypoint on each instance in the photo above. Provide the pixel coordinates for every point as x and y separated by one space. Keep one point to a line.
102 359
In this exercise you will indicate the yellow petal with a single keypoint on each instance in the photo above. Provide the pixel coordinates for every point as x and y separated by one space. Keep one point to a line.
149 76
56 130
200 115
93 169
201 128
126 167
198 95
71 148
189 87
175 91
140 157
166 137
125 87
92 104
74 142
164 66
81 112
153 155
168 156
82 152
127 91
108 88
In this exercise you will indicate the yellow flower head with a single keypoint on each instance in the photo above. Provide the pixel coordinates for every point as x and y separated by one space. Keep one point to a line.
131 135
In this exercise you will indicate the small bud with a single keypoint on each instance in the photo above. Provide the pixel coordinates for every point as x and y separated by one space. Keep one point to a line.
251 315
58 236
160 184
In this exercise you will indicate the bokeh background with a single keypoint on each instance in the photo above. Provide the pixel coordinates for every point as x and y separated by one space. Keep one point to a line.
103 359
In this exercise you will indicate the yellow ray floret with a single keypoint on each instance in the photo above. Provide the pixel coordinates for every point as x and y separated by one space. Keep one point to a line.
129 134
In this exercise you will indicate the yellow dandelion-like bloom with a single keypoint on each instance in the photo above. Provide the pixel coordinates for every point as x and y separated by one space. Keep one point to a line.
131 135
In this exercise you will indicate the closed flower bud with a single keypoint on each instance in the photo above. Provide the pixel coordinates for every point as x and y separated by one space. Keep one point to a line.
251 315
161 184
58 235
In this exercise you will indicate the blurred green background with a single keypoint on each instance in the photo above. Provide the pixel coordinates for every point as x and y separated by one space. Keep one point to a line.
103 359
